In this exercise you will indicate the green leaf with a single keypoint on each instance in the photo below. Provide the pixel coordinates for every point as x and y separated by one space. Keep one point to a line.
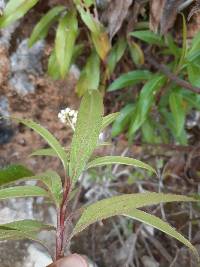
41 29
53 67
49 138
87 132
195 46
27 230
173 48
90 75
137 54
130 79
145 101
44 152
160 225
116 54
93 25
107 160
65 41
118 205
22 191
148 132
148 37
178 111
107 120
13 173
54 184
184 46
27 226
193 70
123 120
192 98
14 10
50 179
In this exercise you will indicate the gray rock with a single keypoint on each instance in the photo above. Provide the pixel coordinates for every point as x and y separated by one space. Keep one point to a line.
4 106
27 59
25 62
6 34
21 83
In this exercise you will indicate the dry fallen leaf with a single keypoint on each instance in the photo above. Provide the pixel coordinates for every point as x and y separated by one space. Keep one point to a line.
156 11
116 14
169 15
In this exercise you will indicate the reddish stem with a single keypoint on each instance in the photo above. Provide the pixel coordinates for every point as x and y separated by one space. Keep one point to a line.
61 215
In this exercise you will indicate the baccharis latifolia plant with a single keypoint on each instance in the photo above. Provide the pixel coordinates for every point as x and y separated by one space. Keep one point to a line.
87 128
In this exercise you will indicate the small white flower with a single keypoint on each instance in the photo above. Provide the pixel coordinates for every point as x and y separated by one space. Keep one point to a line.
74 121
68 116
72 113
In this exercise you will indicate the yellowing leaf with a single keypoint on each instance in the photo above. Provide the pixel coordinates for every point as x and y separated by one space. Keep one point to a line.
102 44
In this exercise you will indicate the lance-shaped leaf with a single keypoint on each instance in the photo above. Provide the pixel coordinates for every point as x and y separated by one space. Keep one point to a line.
44 152
41 29
13 173
65 41
160 225
102 43
90 75
123 120
178 111
98 33
145 101
26 233
27 226
107 120
50 152
49 178
14 10
129 79
118 205
53 67
109 160
116 54
49 138
148 37
87 132
136 52
22 191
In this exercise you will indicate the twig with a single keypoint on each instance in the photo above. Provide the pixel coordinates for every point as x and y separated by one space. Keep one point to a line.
172 76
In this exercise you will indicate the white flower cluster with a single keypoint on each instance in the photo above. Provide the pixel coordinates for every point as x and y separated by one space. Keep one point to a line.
68 116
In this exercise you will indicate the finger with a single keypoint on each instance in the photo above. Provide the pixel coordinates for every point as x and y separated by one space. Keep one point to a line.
73 260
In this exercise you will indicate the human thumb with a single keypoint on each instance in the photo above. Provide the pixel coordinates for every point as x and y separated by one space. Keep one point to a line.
74 260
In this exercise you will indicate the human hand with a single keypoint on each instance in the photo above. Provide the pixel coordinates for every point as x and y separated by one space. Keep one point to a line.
73 260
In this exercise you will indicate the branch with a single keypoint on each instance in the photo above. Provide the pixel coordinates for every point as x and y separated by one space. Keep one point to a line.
172 76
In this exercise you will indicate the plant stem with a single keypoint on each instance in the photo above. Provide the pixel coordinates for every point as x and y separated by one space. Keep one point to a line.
61 215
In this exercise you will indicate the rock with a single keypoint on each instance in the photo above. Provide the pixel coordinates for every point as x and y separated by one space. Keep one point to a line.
22 84
149 262
25 62
6 34
27 59
36 258
6 132
4 106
